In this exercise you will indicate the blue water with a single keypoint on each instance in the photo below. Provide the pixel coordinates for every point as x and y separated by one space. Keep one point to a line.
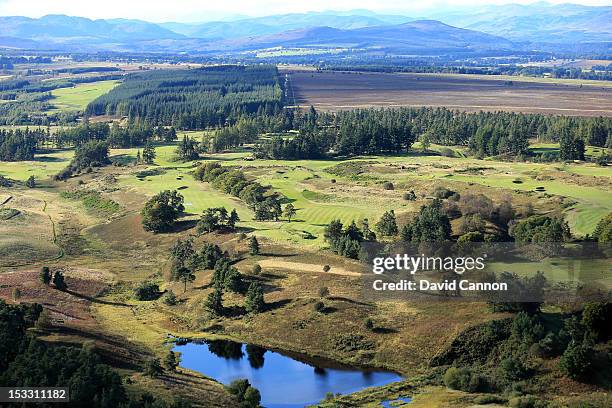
387 404
283 381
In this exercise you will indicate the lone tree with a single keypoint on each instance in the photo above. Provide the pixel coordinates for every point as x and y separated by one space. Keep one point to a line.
289 211
233 219
182 254
153 367
31 182
184 275
254 245
148 154
254 298
171 361
387 226
214 302
161 211
45 275
58 281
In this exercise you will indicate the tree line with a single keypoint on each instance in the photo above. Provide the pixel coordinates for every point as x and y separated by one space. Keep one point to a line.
393 130
19 144
194 98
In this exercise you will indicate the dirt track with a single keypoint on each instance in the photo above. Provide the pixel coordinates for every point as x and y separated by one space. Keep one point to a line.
332 91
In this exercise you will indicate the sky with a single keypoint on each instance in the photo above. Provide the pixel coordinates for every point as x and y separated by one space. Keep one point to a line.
207 10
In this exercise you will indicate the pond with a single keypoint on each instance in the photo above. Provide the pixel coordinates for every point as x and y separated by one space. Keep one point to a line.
284 380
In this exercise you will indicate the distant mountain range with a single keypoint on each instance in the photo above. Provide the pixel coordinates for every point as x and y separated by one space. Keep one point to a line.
538 22
423 36
285 22
504 28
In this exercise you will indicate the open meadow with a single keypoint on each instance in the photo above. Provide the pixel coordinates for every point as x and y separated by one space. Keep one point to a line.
77 97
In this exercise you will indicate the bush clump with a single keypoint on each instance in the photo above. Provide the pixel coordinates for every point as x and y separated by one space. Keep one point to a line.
576 361
462 379
388 186
146 291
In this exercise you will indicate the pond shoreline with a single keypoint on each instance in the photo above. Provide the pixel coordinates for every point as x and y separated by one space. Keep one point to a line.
275 372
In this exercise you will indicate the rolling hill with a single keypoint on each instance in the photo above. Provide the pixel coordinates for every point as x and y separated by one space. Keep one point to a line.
417 36
284 22
539 22
510 27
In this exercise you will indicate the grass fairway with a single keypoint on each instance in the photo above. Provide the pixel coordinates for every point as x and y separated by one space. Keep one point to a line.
77 97
43 166
320 197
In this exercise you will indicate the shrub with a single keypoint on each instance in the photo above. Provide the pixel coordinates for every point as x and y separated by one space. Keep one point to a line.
442 193
45 275
477 204
596 318
352 342
527 401
256 269
472 223
319 307
410 196
489 399
513 369
462 379
171 361
369 324
153 367
170 298
326 268
146 291
388 186
446 152
576 361
247 395
58 281
551 345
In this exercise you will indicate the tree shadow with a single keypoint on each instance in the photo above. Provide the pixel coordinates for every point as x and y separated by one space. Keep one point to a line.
234 311
95 300
383 330
183 225
343 299
277 305
271 255
329 310
49 159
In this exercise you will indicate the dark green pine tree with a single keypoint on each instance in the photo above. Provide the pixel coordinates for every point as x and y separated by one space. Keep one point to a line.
148 154
254 245
254 301
214 302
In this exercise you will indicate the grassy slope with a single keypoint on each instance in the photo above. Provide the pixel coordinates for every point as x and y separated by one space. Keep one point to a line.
300 180
77 97
133 255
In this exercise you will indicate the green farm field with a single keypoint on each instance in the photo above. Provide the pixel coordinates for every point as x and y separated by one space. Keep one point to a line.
77 97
